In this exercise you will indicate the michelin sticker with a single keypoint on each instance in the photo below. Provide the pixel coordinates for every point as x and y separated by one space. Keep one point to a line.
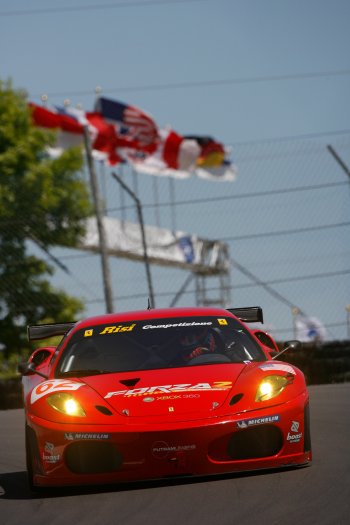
245 423
72 436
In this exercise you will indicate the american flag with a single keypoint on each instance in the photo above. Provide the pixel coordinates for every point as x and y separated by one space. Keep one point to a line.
129 121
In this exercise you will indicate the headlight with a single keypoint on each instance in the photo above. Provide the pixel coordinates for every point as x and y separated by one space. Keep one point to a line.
271 386
66 404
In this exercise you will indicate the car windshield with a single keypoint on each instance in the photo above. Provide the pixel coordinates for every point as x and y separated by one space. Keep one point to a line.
157 343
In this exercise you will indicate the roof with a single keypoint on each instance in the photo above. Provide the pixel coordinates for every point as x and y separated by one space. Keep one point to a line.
155 313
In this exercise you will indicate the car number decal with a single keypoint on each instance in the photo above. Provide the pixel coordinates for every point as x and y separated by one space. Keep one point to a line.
53 385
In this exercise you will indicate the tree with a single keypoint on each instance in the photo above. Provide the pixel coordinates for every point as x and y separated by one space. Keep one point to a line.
44 201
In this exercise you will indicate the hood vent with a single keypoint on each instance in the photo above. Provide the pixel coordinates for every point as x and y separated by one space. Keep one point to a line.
130 382
104 410
235 399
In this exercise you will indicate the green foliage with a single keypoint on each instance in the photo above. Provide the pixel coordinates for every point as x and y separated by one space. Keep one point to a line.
9 366
42 200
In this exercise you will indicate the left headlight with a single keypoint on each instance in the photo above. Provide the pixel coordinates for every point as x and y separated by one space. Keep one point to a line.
66 404
271 386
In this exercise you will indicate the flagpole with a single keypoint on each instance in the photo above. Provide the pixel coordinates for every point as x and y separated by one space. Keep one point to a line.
295 313
348 320
172 202
99 220
156 196
145 255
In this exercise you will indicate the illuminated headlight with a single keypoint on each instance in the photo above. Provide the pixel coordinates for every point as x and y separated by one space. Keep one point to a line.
271 386
66 404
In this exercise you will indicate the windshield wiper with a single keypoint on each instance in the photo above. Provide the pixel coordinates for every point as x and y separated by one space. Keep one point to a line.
82 373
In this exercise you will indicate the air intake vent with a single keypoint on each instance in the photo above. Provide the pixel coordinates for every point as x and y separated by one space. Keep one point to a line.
92 457
235 399
257 442
104 410
130 382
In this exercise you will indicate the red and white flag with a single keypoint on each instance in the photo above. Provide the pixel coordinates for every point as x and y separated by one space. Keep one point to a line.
120 133
129 122
69 125
174 156
182 157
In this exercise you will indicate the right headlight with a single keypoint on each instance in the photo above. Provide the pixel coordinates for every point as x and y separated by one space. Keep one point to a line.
271 386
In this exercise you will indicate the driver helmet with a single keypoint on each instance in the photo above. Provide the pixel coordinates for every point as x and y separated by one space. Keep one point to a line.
196 342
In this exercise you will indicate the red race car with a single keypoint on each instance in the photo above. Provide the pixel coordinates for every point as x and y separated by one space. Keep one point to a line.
160 393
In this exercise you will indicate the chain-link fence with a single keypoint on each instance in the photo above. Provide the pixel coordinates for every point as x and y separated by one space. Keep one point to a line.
285 221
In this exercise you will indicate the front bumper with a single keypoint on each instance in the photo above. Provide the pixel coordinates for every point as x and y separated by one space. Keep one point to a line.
90 454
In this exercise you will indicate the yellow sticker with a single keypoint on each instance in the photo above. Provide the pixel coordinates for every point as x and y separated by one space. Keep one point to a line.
120 328
88 333
222 321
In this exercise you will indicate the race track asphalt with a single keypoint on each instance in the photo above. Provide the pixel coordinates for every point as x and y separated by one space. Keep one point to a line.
317 495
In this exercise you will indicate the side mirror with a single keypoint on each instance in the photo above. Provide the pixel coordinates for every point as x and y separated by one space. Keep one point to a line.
38 357
267 341
289 345
26 369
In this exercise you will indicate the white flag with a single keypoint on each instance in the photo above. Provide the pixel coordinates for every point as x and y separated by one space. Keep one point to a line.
309 329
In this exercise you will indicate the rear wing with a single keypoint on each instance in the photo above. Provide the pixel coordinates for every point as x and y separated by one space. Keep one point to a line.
43 331
248 314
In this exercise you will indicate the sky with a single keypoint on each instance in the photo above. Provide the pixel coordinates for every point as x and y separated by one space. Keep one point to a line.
270 79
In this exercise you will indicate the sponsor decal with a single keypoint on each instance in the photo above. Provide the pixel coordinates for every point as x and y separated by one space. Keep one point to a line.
51 458
72 436
88 333
295 426
178 396
222 321
170 389
279 367
245 423
161 449
175 325
294 438
49 447
48 454
191 396
53 386
120 328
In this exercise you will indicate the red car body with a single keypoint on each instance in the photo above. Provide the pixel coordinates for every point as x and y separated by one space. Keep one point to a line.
112 403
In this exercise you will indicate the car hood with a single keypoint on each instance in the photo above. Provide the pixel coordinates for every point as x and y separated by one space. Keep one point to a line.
173 392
